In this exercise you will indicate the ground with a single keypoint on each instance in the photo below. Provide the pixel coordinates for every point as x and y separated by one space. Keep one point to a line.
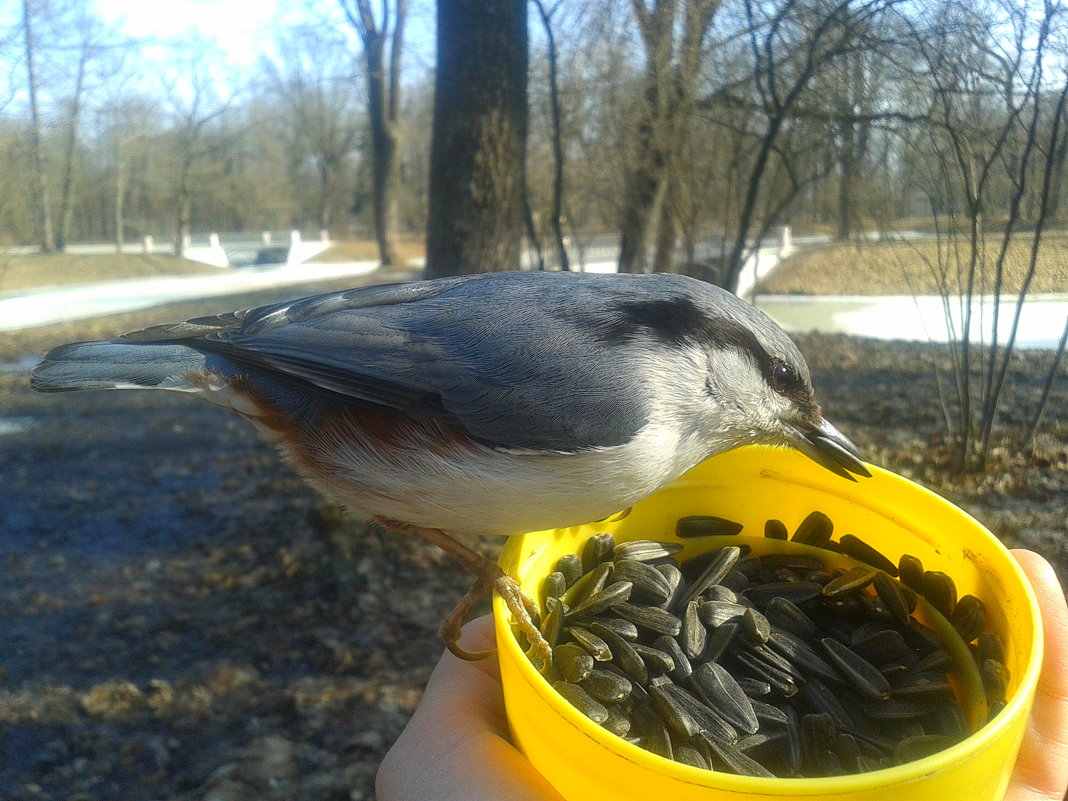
185 620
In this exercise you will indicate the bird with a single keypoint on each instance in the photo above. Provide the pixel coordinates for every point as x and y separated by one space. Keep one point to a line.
493 403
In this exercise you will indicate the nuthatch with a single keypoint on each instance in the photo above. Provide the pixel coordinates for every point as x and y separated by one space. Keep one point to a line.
496 403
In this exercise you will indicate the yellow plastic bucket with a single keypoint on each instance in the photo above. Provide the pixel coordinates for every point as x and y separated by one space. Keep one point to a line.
584 761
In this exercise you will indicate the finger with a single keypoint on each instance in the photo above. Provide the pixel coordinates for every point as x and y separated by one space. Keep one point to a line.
456 745
1041 772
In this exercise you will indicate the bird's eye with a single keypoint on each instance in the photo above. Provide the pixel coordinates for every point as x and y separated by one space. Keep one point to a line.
782 377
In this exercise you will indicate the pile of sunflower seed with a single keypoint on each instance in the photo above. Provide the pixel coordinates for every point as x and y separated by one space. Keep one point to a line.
769 665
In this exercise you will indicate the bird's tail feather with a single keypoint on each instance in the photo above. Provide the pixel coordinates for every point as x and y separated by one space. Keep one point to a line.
116 365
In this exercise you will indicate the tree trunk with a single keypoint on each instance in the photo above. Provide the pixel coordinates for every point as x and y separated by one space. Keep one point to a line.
44 202
67 186
478 143
120 203
384 159
383 110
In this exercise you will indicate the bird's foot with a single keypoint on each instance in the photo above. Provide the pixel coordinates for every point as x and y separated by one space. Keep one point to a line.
490 577
523 610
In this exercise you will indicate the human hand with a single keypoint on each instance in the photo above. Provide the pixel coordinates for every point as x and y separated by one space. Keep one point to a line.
456 745
1041 772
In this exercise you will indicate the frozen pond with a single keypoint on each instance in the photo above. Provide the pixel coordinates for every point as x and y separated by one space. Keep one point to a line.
923 318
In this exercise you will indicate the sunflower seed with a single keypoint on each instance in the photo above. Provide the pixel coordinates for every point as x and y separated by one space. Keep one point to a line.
720 638
897 709
611 596
817 697
593 643
706 526
572 662
718 592
582 701
658 659
570 566
618 721
847 750
649 583
687 754
796 591
857 671
912 748
673 576
799 653
989 646
798 563
856 578
787 615
554 584
884 647
791 752
939 589
693 636
755 627
624 628
623 654
910 571
776 530
922 686
720 565
768 713
862 552
652 729
716 613
707 718
721 692
818 734
969 618
780 680
732 758
754 688
947 719
552 625
889 592
646 550
606 687
650 618
674 714
995 678
815 529
589 584
596 550
681 667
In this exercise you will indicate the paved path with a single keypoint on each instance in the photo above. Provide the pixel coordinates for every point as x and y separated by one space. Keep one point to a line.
111 297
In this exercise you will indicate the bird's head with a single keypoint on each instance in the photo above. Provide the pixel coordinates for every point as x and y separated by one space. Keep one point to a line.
737 378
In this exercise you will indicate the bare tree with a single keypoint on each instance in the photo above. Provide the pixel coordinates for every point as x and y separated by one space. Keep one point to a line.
672 35
46 235
993 131
477 151
313 83
196 99
556 213
386 33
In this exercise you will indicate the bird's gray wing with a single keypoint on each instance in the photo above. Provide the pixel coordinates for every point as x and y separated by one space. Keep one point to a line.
507 361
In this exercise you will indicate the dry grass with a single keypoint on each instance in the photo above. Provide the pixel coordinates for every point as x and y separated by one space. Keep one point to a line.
409 247
922 268
42 270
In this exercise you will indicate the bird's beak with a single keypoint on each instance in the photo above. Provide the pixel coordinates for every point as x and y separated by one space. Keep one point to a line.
829 447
